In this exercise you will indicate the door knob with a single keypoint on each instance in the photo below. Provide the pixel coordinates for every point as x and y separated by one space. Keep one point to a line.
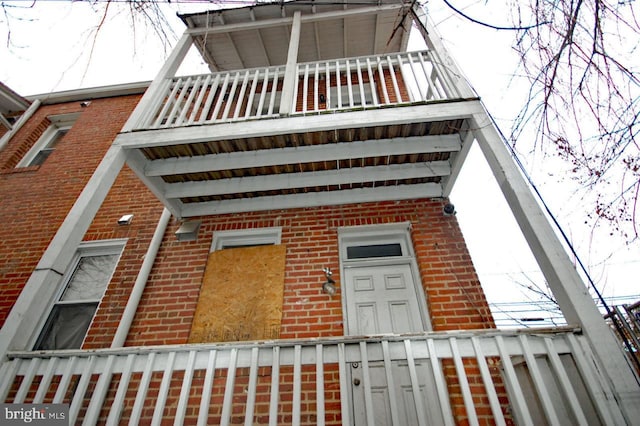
356 382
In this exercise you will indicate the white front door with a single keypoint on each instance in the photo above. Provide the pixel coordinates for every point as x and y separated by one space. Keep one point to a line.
382 299
382 295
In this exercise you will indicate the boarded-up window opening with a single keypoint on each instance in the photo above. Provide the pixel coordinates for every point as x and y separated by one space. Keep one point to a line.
241 295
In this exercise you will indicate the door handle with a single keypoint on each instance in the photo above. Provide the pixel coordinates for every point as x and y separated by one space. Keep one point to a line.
356 382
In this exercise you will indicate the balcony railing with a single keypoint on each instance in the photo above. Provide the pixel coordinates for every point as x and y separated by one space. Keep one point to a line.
435 379
342 84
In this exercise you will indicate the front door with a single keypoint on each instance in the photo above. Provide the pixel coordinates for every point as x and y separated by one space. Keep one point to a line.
383 296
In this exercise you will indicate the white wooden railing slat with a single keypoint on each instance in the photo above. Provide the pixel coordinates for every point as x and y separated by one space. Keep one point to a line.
383 81
441 384
164 390
198 103
538 382
366 384
372 83
517 397
228 389
118 401
319 385
141 394
251 390
99 393
297 385
45 382
65 380
81 389
220 99
415 384
472 418
205 398
391 389
192 94
177 103
26 381
185 389
252 93
243 90
394 80
275 387
230 96
210 97
563 379
489 386
600 398
344 385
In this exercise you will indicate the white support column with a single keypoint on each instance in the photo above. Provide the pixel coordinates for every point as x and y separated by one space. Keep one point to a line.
443 62
563 279
290 74
155 92
41 288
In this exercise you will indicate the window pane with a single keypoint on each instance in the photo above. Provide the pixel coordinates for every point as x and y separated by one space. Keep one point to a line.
40 157
67 326
377 250
90 278
56 138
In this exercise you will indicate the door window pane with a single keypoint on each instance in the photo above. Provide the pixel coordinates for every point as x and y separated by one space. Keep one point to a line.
374 250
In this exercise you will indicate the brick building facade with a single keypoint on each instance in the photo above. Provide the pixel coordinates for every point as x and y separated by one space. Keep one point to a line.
323 278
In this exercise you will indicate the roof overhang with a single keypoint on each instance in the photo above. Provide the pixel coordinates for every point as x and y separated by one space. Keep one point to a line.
258 35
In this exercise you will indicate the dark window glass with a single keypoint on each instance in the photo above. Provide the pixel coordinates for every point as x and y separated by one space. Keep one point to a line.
377 250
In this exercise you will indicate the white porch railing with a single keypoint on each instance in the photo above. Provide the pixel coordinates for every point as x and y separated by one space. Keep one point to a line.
364 82
442 378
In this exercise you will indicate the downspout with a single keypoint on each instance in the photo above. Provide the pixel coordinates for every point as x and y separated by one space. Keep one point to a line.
141 281
23 119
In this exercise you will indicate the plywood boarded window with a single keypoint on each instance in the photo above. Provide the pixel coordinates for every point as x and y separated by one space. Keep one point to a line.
241 295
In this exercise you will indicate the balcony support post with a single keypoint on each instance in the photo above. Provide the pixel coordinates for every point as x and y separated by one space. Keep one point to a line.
154 94
442 61
563 279
290 73
37 295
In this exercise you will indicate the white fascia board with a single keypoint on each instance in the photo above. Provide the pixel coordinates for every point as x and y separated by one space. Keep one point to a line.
277 22
437 111
304 154
314 199
307 179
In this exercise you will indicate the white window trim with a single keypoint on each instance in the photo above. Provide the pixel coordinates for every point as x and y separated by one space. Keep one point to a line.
58 122
86 248
246 237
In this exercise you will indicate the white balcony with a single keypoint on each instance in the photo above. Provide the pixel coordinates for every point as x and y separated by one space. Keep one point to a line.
438 378
346 84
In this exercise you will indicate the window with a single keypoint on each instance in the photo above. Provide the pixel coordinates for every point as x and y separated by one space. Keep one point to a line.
242 289
76 304
60 125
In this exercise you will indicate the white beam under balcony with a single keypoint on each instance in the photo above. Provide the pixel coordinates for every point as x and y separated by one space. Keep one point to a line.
567 286
288 181
314 199
439 111
304 154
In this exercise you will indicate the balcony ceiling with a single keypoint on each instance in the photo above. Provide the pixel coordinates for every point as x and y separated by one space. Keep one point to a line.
305 169
382 27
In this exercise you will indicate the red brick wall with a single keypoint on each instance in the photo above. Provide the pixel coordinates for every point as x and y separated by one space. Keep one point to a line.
454 295
35 200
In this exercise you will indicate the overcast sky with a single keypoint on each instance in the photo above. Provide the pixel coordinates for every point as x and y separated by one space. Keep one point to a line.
50 47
